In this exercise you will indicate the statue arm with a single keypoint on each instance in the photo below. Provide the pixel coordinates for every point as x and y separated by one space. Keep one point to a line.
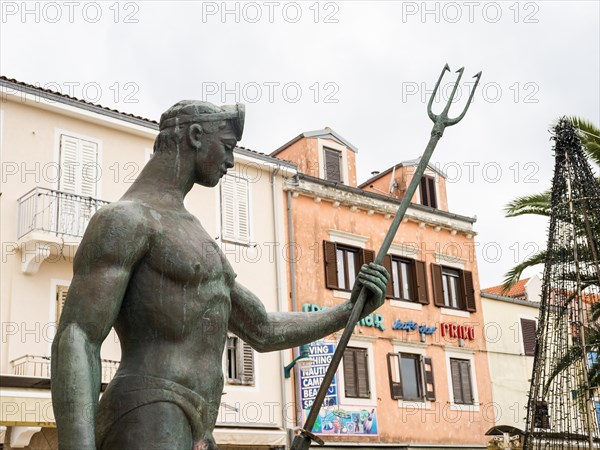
276 331
102 268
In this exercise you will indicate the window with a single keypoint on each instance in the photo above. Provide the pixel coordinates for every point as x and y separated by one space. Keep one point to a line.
78 175
239 361
528 332
356 373
333 166
61 297
235 209
453 288
428 191
461 381
541 416
342 264
407 279
411 377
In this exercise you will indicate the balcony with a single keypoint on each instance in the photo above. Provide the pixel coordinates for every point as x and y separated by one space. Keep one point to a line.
39 366
52 223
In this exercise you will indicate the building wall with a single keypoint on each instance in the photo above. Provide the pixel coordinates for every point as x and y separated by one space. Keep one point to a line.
510 369
29 140
321 213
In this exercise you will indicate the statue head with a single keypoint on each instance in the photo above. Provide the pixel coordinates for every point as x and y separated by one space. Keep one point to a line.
175 120
208 130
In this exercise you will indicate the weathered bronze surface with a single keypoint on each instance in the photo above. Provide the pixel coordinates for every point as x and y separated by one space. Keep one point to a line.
147 267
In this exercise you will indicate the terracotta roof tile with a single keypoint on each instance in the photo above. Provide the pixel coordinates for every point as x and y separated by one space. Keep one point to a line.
517 291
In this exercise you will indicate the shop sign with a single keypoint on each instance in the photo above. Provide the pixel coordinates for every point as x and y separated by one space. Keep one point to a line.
411 325
311 378
372 320
456 331
347 421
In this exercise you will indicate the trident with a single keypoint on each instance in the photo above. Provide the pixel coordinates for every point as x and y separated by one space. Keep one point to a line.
440 122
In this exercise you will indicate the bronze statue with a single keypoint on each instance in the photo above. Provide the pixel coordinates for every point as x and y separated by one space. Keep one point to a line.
147 267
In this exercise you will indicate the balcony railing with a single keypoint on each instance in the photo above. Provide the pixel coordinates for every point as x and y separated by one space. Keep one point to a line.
55 212
39 366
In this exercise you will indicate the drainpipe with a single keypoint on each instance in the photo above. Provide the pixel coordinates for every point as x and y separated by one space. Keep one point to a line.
292 257
280 305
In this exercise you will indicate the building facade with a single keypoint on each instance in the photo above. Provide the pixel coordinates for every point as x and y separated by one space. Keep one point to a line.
62 159
415 373
511 323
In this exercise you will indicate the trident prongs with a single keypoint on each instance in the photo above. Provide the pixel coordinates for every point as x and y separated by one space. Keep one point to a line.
442 120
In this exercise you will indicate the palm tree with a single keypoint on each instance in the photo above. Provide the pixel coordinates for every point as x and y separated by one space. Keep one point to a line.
539 204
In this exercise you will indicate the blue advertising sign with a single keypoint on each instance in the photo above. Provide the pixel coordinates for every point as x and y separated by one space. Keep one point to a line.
311 378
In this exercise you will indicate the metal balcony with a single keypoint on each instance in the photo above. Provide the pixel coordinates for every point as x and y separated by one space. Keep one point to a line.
52 222
39 366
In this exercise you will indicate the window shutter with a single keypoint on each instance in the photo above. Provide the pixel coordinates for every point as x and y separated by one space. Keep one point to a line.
393 360
420 277
68 164
332 164
387 263
247 363
366 256
330 258
468 290
235 213
528 332
541 414
456 384
349 373
438 289
61 297
428 379
362 373
432 199
465 379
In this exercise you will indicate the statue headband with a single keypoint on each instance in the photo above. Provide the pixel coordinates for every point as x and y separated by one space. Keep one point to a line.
234 113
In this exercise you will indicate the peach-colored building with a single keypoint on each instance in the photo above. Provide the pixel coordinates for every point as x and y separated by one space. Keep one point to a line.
62 159
415 373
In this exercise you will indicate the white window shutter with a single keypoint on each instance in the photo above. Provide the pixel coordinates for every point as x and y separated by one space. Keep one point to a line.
68 164
61 297
89 168
247 366
235 213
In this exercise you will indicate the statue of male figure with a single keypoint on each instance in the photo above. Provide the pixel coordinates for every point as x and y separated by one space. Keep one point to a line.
147 267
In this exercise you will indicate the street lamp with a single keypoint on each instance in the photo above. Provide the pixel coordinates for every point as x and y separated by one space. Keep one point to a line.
303 359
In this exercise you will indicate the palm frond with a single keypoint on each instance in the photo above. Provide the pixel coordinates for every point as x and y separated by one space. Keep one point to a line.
590 137
514 274
530 204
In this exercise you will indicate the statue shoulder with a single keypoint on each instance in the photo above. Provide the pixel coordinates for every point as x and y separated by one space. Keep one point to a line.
124 218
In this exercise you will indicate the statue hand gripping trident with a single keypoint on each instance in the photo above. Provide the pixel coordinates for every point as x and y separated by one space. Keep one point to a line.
440 122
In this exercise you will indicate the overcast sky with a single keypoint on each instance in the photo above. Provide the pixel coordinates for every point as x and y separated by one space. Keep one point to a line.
364 69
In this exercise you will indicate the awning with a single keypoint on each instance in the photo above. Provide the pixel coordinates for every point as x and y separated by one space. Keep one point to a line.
249 436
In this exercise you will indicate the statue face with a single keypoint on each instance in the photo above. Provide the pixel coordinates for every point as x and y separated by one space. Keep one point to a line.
215 156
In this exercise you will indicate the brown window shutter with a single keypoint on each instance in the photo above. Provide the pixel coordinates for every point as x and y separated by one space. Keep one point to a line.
438 286
332 165
330 257
429 380
420 276
395 386
468 290
349 373
387 263
528 332
456 384
431 186
362 373
465 379
367 256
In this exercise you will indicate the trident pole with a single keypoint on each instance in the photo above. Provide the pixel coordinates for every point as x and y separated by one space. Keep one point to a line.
303 440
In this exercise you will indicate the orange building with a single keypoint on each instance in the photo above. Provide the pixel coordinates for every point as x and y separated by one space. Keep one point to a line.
415 373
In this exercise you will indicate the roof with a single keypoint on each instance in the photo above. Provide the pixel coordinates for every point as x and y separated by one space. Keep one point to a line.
518 290
325 133
407 163
50 95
